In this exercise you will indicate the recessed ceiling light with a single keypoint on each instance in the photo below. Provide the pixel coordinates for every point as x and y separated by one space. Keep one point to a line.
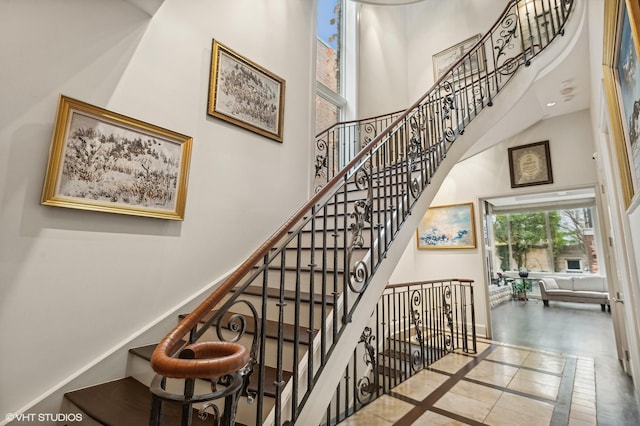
550 104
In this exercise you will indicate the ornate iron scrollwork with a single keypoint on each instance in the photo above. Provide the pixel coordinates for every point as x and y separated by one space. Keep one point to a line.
447 311
366 389
363 213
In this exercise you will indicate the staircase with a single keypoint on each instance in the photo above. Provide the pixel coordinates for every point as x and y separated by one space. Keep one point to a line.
279 331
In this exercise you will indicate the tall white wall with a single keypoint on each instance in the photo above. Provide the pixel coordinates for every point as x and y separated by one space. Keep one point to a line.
75 284
487 175
434 25
382 57
397 45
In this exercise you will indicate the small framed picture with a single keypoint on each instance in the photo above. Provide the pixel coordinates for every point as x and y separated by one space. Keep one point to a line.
530 165
447 227
245 94
104 161
443 60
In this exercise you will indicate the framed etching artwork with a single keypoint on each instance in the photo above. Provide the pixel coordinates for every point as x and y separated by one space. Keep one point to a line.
104 161
622 86
245 94
443 60
530 164
447 227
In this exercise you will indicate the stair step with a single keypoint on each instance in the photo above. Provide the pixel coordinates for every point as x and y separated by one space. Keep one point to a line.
271 331
391 372
392 354
124 402
274 293
270 373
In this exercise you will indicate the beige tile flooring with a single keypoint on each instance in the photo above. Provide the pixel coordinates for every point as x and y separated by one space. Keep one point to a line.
500 385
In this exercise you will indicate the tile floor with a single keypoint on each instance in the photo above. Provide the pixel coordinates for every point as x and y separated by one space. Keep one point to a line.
529 381
500 385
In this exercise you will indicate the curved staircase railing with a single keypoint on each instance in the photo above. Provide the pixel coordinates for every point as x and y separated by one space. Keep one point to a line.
280 314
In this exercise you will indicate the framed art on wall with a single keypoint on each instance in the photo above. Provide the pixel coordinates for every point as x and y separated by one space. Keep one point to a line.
622 86
245 94
104 161
443 60
447 227
530 164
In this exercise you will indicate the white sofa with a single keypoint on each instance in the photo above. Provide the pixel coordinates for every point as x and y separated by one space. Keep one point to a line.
581 289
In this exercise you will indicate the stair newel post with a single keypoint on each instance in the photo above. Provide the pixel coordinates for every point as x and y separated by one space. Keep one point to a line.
155 419
405 333
473 318
296 322
262 344
311 324
345 258
375 368
279 364
384 324
323 308
189 386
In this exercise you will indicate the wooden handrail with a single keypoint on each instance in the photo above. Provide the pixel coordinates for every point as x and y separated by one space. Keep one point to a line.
444 280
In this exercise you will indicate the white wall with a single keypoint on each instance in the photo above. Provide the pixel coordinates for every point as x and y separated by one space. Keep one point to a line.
75 284
382 69
397 45
435 25
487 175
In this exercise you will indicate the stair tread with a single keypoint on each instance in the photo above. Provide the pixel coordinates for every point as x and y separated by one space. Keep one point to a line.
124 402
271 330
288 294
270 373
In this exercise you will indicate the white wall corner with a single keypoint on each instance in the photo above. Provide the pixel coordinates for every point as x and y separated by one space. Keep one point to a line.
148 6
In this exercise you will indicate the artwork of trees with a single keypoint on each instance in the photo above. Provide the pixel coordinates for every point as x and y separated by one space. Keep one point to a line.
110 163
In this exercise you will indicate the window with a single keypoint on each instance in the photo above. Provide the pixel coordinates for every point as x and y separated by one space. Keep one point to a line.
574 265
561 240
335 61
329 53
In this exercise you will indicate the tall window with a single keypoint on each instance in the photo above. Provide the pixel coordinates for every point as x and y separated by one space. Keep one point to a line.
546 241
330 63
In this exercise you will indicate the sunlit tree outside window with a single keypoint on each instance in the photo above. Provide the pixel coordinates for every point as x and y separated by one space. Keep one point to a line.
546 241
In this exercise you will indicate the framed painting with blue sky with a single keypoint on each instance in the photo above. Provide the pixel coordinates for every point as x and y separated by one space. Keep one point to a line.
447 227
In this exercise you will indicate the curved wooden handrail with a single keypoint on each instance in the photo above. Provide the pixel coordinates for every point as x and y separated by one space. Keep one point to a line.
444 280
206 362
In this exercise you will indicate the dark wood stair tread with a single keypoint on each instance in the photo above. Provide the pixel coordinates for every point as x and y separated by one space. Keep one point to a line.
270 373
124 402
271 330
288 294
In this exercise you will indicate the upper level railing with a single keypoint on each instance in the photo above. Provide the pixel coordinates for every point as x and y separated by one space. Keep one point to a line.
522 32
326 254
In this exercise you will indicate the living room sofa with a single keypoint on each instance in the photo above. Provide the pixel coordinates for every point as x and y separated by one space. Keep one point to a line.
581 289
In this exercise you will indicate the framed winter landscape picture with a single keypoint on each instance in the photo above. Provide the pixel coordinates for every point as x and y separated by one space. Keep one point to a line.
104 161
447 227
245 94
622 85
443 60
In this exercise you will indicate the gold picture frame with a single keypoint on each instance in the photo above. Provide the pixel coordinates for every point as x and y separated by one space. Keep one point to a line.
444 59
447 227
622 87
104 161
530 165
243 93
